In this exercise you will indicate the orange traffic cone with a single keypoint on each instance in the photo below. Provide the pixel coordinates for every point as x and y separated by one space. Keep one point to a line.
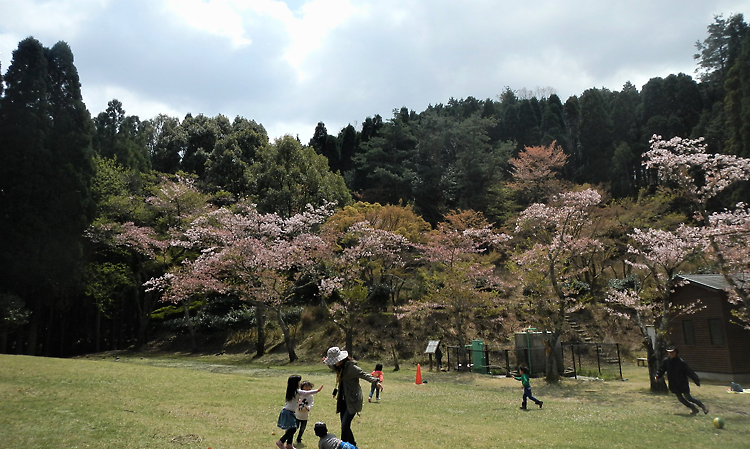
419 375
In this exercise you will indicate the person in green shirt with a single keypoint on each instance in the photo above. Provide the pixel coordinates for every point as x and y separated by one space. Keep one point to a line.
524 378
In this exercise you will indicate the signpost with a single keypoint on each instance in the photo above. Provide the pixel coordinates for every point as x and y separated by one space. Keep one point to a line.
433 348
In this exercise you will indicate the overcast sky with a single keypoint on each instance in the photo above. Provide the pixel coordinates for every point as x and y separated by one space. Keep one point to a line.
290 64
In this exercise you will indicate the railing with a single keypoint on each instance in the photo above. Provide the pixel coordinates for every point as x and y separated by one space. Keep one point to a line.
600 360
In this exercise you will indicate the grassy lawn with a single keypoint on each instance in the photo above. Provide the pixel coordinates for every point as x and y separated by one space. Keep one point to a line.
227 402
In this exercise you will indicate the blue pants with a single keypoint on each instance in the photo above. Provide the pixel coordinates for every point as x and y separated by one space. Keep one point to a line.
345 445
527 394
374 389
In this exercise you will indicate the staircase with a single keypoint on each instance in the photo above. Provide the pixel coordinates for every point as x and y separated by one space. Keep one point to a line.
579 329
583 334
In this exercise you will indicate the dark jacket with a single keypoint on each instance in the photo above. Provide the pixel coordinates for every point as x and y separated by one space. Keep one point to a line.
677 375
349 385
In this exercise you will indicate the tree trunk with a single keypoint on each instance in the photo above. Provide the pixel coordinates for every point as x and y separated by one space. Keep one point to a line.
260 323
349 343
3 341
653 355
552 370
32 335
190 326
288 340
146 303
463 363
98 329
395 358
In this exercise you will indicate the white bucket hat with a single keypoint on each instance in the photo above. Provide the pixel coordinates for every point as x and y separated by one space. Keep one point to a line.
334 356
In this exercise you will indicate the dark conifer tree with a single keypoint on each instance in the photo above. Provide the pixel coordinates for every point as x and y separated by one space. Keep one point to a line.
45 181
347 142
164 143
737 104
572 111
528 124
553 123
596 139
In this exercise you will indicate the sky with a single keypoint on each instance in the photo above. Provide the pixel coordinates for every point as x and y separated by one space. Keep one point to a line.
291 64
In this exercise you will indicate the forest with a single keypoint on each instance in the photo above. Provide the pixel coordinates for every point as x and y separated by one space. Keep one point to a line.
115 227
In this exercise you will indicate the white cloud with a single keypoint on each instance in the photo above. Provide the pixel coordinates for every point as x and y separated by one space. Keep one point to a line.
308 32
290 64
217 17
97 97
63 20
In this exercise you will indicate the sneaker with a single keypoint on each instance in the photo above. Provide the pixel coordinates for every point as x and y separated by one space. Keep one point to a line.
694 411
523 407
280 444
705 409
290 446
369 399
540 403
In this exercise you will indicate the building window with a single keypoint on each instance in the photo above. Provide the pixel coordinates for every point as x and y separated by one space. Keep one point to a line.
716 331
688 334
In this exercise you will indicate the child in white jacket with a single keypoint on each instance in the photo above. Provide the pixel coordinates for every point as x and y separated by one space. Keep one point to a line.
303 408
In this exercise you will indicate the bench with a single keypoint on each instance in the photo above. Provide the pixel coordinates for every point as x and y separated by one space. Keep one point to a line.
641 361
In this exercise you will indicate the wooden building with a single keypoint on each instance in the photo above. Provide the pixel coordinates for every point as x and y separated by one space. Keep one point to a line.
710 340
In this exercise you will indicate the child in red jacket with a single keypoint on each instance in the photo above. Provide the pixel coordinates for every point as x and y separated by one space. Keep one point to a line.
378 373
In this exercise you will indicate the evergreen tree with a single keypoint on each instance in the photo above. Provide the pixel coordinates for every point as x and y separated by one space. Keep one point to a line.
45 180
347 142
717 53
230 160
624 114
201 134
370 127
528 124
737 104
490 111
553 123
629 145
326 145
164 143
288 177
381 171
121 137
572 111
596 139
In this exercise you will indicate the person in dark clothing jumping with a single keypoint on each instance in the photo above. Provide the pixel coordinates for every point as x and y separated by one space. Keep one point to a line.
677 375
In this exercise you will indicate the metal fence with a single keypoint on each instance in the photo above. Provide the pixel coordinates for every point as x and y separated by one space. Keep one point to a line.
600 360
491 361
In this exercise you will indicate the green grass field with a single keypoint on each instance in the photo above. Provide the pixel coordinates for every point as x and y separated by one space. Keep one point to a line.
223 402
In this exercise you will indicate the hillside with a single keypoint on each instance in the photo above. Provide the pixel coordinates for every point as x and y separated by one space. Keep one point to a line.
382 335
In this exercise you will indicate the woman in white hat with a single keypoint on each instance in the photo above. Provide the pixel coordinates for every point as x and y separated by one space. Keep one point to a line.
347 391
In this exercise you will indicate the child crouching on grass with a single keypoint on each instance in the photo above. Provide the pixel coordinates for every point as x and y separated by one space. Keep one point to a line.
329 440
524 378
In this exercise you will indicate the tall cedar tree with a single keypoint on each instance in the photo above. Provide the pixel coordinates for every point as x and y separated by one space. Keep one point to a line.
45 146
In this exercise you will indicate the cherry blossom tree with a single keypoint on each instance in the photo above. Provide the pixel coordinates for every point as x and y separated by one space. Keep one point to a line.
460 276
699 176
260 258
365 260
657 256
550 238
173 204
535 169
